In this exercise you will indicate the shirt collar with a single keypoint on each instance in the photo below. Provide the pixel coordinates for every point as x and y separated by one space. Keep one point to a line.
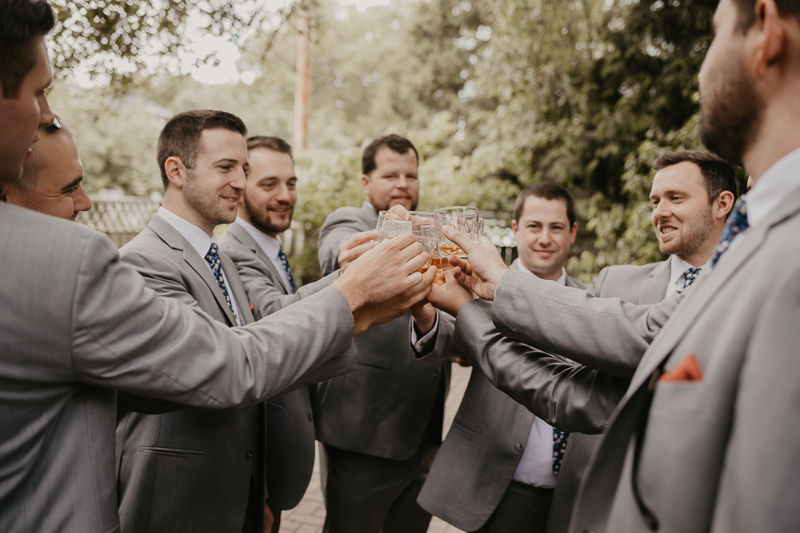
270 245
561 281
195 236
780 180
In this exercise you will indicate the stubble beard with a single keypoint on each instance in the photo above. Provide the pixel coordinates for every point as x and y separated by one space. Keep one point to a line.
260 218
204 204
694 236
731 114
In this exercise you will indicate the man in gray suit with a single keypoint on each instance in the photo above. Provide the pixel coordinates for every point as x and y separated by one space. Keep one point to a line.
706 435
78 325
265 211
497 468
51 177
380 427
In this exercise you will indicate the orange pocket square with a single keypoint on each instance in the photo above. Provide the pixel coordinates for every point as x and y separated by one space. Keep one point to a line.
687 370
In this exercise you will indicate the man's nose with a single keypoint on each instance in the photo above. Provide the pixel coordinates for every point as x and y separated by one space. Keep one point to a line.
402 182
239 180
545 238
82 201
46 115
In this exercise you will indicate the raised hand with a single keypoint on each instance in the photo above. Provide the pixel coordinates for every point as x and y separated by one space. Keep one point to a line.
355 246
374 314
387 270
450 295
483 269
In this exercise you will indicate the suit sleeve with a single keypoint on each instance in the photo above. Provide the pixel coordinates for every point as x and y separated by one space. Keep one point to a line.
758 485
607 334
338 227
126 337
570 397
261 288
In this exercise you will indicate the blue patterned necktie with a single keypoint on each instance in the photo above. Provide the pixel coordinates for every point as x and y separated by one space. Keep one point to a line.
288 269
212 257
559 445
689 276
737 223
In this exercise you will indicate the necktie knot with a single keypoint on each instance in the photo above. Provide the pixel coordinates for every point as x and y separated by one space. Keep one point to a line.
737 223
690 275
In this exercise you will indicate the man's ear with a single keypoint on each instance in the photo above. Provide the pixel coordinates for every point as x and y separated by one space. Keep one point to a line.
723 205
365 180
573 233
772 39
514 228
176 171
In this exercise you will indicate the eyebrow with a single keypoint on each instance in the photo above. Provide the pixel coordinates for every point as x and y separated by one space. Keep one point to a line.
72 184
229 160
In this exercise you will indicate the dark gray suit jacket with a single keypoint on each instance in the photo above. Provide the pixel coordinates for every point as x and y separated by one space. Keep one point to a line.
76 324
644 284
384 408
718 453
290 424
477 460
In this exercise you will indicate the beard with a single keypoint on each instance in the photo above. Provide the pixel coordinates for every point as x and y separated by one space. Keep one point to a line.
260 218
731 114
695 235
205 203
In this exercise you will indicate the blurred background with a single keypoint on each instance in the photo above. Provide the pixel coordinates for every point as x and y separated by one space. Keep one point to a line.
495 95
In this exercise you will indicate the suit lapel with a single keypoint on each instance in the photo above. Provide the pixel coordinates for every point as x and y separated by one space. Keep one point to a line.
707 287
175 240
241 235
654 287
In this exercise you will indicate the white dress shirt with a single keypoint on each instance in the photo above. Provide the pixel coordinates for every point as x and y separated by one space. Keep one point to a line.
271 246
201 242
536 464
677 271
779 181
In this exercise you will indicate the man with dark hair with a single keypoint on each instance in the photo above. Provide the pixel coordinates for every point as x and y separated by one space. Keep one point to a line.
24 75
380 430
51 177
265 211
497 470
706 436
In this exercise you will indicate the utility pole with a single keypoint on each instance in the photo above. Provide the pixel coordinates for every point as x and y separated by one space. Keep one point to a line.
302 90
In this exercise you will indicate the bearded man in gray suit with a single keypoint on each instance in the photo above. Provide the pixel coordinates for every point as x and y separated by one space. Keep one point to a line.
265 211
714 398
381 428
497 468
78 325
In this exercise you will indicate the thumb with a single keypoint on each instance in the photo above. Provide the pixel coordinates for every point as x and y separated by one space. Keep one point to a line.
463 241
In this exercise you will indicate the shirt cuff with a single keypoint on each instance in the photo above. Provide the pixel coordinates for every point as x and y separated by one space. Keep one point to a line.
419 344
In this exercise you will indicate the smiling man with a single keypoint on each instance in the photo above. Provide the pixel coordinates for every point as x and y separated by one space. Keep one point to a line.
52 176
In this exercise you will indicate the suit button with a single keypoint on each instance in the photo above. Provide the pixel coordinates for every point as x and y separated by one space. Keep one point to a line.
310 418
519 447
248 454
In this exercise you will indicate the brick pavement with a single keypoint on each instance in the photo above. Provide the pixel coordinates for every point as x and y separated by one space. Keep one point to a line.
309 515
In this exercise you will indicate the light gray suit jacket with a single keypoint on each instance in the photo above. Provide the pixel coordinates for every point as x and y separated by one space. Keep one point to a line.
290 423
477 460
385 407
718 454
76 324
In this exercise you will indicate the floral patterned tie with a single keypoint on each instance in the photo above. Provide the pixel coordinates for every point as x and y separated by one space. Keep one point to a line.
288 269
559 445
737 223
212 257
689 276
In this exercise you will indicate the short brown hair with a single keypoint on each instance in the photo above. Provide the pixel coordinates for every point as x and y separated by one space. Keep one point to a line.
717 173
21 23
276 144
393 142
182 135
548 191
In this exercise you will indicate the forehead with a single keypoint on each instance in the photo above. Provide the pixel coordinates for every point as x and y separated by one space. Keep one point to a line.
543 210
388 159
269 163
220 143
684 177
59 158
